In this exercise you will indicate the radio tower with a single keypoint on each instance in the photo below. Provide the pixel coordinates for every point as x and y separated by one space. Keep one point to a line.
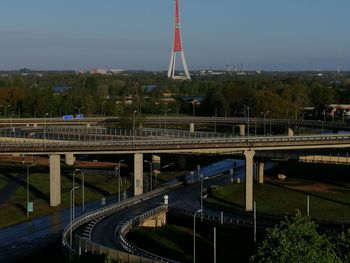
177 48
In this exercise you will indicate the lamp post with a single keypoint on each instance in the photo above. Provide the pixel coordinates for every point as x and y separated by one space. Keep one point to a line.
46 114
202 179
71 216
119 178
193 107
198 170
5 107
28 188
79 108
248 120
265 113
165 111
150 173
194 234
83 185
12 114
133 127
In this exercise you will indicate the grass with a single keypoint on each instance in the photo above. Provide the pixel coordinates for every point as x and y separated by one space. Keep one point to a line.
3 182
280 199
14 211
175 240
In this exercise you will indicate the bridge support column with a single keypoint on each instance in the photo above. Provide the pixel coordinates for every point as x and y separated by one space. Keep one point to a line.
55 180
70 159
261 168
290 132
242 130
138 174
249 156
192 127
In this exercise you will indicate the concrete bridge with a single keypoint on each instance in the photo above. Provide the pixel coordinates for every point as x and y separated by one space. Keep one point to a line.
183 120
54 145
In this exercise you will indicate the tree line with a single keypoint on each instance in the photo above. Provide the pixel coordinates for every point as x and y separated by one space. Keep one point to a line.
280 95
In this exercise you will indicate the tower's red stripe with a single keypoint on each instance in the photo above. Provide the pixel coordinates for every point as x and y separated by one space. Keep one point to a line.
177 34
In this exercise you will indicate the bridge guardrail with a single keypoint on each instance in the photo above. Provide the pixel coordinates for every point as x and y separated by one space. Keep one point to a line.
103 212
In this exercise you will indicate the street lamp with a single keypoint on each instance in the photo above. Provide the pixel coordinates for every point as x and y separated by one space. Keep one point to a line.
133 127
194 107
5 107
83 185
79 108
12 114
71 216
118 167
150 173
194 234
46 114
165 111
28 188
248 120
198 170
265 113
202 179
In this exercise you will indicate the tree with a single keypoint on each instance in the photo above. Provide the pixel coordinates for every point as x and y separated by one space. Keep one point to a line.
295 240
343 246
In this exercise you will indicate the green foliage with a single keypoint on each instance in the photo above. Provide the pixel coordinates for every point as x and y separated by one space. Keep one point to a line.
295 240
282 94
343 246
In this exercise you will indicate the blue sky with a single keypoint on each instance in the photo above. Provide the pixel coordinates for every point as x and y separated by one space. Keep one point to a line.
137 34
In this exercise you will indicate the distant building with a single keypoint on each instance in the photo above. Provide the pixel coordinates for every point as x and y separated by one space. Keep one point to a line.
61 89
115 71
98 71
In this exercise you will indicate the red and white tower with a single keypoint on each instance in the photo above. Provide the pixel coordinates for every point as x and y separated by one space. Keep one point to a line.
177 48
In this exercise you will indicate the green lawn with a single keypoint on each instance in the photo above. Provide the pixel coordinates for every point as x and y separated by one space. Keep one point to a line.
14 211
279 199
3 182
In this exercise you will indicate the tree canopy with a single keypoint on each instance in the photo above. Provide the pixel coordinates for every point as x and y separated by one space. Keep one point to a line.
295 240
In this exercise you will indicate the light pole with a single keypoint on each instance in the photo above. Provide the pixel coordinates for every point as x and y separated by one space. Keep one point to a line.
198 170
28 188
77 108
83 185
5 107
71 216
202 179
248 120
165 111
150 173
119 178
12 114
46 114
265 113
194 234
133 127
193 107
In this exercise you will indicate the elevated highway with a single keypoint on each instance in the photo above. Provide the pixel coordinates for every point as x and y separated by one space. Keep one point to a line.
55 144
174 120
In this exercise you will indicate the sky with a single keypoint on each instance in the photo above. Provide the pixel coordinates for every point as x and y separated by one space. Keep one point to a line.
137 34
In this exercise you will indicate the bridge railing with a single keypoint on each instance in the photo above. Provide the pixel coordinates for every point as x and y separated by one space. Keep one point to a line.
125 227
103 212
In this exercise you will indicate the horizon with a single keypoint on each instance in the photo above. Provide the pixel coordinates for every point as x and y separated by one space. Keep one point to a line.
135 35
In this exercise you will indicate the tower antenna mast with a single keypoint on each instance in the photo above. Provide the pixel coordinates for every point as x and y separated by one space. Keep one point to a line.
177 48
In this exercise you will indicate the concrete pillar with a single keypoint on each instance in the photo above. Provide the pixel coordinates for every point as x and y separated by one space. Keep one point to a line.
138 174
70 159
191 127
242 130
55 180
88 125
290 132
261 173
155 163
249 156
